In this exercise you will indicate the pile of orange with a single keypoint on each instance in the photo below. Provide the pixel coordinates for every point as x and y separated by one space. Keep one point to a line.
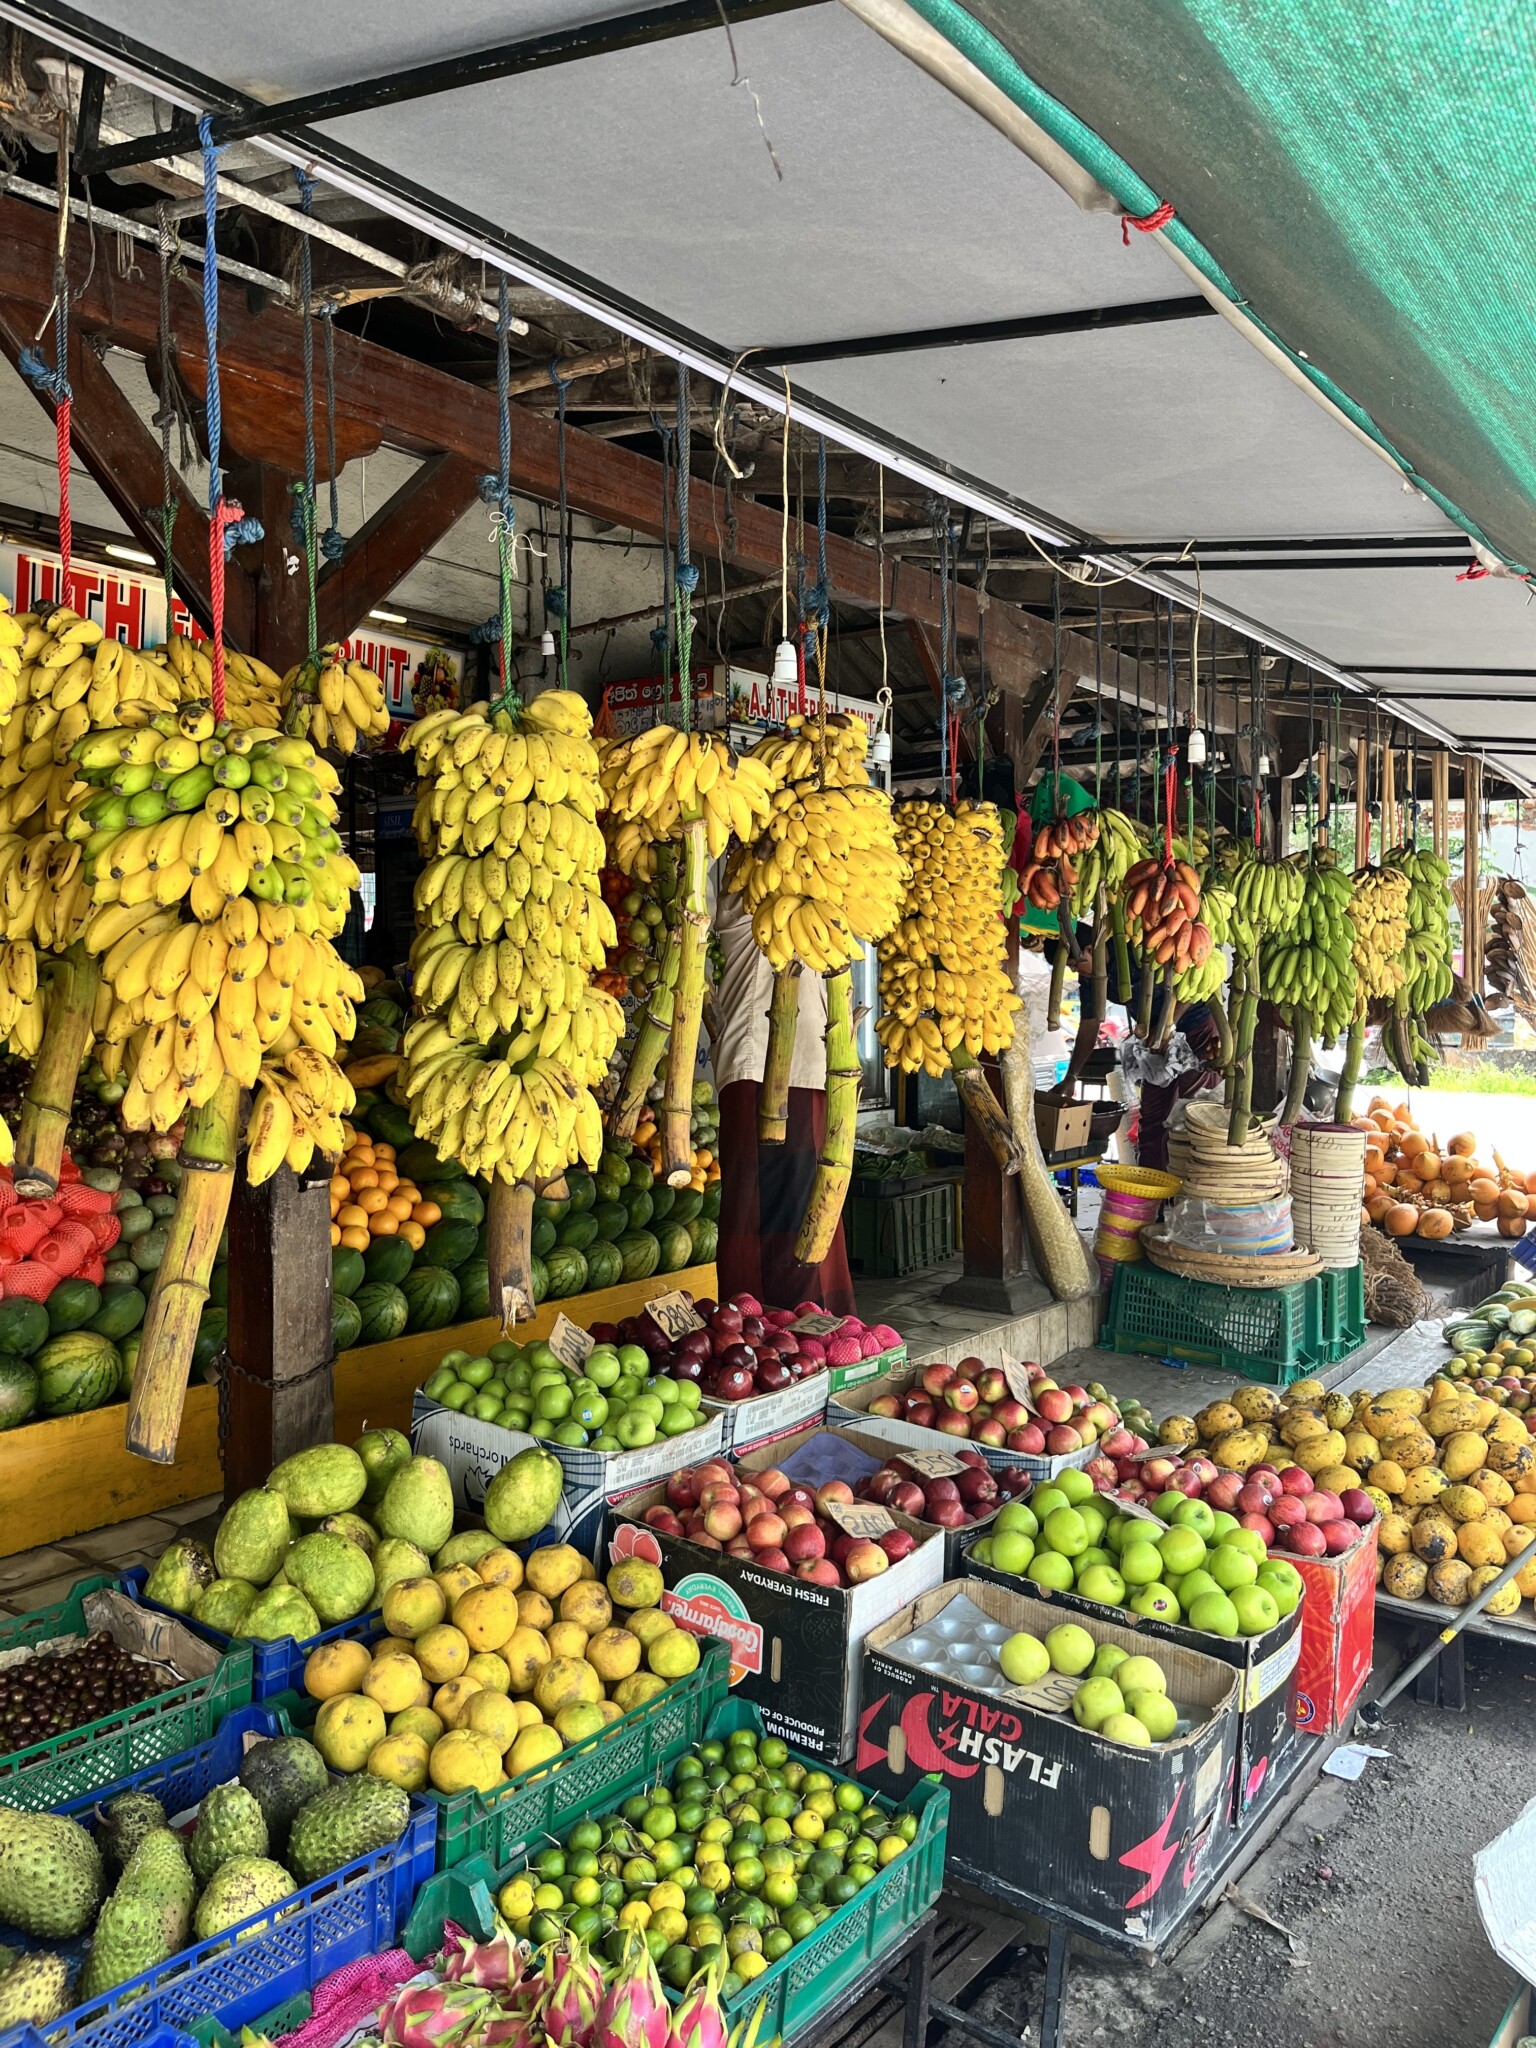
706 1167
369 1199
1415 1187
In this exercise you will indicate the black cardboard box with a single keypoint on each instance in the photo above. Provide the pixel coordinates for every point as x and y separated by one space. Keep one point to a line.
1109 1840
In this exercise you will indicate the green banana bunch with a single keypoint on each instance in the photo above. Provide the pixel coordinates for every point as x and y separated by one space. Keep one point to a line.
1103 865
1307 962
1428 976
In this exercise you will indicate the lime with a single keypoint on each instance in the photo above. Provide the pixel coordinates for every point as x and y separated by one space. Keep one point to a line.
779 1805
795 1776
548 1898
850 1797
824 1864
808 1826
773 1752
636 1914
613 1893
701 1901
656 1945
799 1921
809 1890
776 1830
835 1840
585 1891
636 1808
670 1924
688 1767
891 1846
778 1859
744 1812
550 1862
707 1928
716 1830
822 1801
751 1911
639 1871
691 1815
861 1873
586 1924
816 1781
676 1966
545 1927
667 1897
747 1873
716 1776
740 1940
583 1863
778 1941
710 1752
714 1876
670 1855
906 1826
842 1889
749 1966
659 1822
781 1888
740 1783
863 1849
585 1835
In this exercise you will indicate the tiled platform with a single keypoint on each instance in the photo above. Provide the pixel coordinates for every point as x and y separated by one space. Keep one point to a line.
34 1578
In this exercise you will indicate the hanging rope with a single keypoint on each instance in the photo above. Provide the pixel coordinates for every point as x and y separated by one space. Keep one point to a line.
166 412
333 542
496 491
557 596
1146 223
661 636
53 380
686 578
303 514
819 601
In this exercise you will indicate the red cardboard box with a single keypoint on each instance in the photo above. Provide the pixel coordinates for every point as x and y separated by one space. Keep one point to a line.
1338 1634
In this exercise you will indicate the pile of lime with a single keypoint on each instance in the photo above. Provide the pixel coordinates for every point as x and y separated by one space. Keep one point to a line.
745 1853
614 1403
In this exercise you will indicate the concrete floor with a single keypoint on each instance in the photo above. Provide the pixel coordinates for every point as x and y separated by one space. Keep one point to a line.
37 1578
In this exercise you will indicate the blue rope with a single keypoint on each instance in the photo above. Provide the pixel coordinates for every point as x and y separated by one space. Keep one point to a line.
302 516
237 531
496 491
818 599
685 578
43 376
333 542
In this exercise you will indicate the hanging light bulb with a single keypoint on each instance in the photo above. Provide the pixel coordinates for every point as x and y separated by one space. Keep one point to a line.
547 644
880 749
1263 764
1196 749
786 666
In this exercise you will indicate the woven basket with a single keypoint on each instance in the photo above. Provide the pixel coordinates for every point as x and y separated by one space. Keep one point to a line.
1273 1269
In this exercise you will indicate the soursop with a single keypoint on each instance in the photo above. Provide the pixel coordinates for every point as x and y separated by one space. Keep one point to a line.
281 1775
34 1992
345 1821
124 1822
129 1939
160 1870
229 1823
241 1887
50 1875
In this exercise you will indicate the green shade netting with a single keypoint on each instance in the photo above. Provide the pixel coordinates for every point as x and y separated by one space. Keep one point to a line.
1359 175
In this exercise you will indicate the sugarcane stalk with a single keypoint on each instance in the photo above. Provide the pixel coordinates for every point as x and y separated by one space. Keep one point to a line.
834 1164
1349 1074
783 1016
1146 991
688 1009
982 1105
1058 987
1122 952
1162 1028
1060 1256
645 1054
509 1250
1242 1063
45 1110
180 1292
1301 1066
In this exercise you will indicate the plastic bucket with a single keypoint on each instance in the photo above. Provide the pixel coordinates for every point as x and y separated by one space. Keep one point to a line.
1132 1197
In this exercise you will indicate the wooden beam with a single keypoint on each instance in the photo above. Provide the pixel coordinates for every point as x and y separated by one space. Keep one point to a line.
394 540
281 1392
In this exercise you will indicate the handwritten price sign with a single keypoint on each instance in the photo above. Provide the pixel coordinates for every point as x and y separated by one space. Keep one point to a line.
673 1315
571 1344
860 1518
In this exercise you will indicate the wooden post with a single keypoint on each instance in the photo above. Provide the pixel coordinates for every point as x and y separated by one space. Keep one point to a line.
280 1397
1471 851
1362 802
1388 801
1440 803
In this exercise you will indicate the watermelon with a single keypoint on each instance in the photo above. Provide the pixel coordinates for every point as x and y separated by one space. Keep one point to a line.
607 1188
676 1248
122 1309
582 1187
540 1279
381 1011
662 1199
687 1203
542 1236
418 1163
546 1209
605 1265
567 1272
474 1278
128 1351
212 1330
388 1259
390 1124
18 1390
615 1162
641 1254
75 1372
346 1323
640 1174
641 1205
70 1306
218 1284
460 1200
431 1298
383 1310
706 1241
577 1232
711 1209
612 1220
448 1244
348 1271
23 1326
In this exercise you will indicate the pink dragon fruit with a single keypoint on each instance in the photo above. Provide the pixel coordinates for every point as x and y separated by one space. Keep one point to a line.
634 2012
812 1349
573 1994
435 2015
467 1961
809 1308
512 2030
699 2021
870 1345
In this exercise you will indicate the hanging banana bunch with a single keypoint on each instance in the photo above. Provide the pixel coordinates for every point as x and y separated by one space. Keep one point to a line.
1103 867
1428 974
1308 966
1265 897
333 701
1379 914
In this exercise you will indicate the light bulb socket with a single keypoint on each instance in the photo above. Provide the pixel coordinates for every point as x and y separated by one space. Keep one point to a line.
786 663
547 644
1263 764
880 749
1195 753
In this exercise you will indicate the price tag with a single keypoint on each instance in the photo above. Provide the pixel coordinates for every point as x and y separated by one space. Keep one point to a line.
515 1308
1138 1511
1018 1382
932 1464
816 1325
1052 1695
860 1517
570 1343
673 1315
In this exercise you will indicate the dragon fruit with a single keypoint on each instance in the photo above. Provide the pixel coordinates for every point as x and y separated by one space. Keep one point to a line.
467 1961
435 2015
512 2030
634 2012
699 2021
573 1994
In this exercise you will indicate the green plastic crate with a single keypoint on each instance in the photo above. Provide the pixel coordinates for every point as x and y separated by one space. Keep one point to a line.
1341 1304
48 1774
892 1235
799 1985
1270 1334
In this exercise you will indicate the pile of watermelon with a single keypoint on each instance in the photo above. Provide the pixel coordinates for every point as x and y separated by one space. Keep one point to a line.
619 1224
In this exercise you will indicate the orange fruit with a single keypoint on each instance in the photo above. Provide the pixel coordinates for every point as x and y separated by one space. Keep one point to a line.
335 1235
352 1217
372 1200
363 1177
426 1212
355 1240
414 1235
382 1224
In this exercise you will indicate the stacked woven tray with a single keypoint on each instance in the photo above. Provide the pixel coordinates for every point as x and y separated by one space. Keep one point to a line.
1271 1269
1211 1170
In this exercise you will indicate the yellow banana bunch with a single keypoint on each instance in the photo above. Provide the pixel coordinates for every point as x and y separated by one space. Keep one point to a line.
336 702
662 778
800 751
13 638
944 981
21 1014
1379 914
1105 863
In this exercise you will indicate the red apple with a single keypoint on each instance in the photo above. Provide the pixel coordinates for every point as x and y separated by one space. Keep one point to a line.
723 1521
866 1560
1287 1511
990 1431
942 1489
1306 1539
971 1368
766 1531
1339 1536
1117 1442
1130 1491
1323 1506
885 1404
936 1378
882 1484
682 1490
976 1486
1054 1404
835 1493
772 1559
1253 1498
1204 1469
1262 1523
797 1497
820 1571
1061 1439
662 1518
1224 1491
1187 1482
739 1547
951 1423
1102 1472
1157 1472
924 1415
1294 1480
960 1395
796 1517
897 1544
702 1542
973 1457
908 1499
1358 1505
1010 1413
1102 1416
1030 1440
991 1385
804 1544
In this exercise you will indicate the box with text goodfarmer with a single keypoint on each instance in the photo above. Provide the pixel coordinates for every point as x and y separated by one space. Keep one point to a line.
794 1643
1112 1840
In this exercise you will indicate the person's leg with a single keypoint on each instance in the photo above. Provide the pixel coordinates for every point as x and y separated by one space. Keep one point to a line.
738 1255
785 1175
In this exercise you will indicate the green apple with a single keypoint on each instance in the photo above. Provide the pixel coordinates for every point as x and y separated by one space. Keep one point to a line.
1231 1568
1283 1583
1192 1585
1156 1713
981 1552
1092 1512
1257 1610
1024 1659
1071 1648
1157 1603
1165 1504
1249 1542
1182 1550
1095 1700
1066 1531
1018 1516
1087 1559
1198 1515
1050 1569
1224 1524
1076 1485
1140 1564
1101 1582
1107 1659
1045 1500
1012 1550
1141 1674
1215 1614
1127 1729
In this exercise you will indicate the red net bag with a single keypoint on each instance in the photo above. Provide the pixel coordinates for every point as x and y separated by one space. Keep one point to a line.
25 1278
76 1199
93 1270
105 1230
25 1226
66 1248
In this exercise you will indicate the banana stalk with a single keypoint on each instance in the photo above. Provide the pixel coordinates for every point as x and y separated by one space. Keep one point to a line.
1060 1256
683 1052
180 1291
1301 1066
834 1167
1223 1025
509 1250
1354 1046
1146 991
1122 951
982 1105
1093 1010
1162 1028
45 1111
783 1016
650 1043
1058 987
1242 1060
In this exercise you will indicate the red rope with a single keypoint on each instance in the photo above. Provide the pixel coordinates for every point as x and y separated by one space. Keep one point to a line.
66 520
1170 797
227 514
1472 575
1146 223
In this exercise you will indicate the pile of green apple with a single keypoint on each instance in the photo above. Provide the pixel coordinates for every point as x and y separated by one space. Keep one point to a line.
614 1403
1200 1567
1123 1696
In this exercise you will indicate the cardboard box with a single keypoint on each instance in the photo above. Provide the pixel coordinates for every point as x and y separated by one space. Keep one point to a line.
760 1416
1108 1840
851 1409
1338 1634
1063 1126
1266 1668
794 1646
480 1449
473 1453
872 1453
840 1377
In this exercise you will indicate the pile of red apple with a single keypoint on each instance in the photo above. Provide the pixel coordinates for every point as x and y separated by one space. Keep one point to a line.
972 1400
1286 1506
766 1518
952 1502
745 1349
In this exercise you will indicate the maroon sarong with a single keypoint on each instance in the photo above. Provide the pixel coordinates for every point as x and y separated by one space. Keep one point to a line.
763 1193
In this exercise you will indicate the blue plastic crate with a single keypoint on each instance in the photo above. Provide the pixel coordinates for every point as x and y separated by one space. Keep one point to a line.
275 1667
356 1911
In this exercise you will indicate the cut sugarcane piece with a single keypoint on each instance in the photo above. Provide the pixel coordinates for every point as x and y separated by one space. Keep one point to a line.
45 1110
983 1106
834 1167
509 1250
688 1010
1060 1256
783 1017
650 1044
180 1292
